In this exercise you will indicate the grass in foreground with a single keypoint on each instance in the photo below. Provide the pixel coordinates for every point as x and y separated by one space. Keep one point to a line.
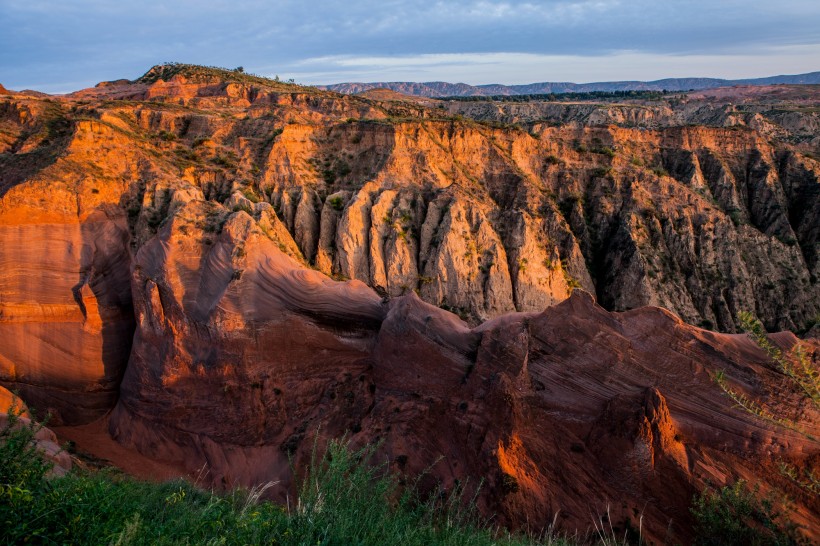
343 500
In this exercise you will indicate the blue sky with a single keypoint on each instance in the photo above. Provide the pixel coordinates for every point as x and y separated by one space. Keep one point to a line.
64 45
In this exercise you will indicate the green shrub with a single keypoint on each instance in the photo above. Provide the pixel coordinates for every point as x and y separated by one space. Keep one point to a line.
22 482
250 195
603 150
734 515
601 172
243 207
22 467
167 136
336 203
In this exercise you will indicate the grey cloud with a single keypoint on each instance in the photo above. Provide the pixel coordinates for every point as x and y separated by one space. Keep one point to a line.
50 42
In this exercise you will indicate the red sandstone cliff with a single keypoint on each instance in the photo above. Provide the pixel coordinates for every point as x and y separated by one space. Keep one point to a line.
167 244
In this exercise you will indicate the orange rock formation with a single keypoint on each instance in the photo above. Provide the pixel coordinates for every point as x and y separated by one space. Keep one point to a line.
167 247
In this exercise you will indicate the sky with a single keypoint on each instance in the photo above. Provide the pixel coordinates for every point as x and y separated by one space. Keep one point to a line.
59 46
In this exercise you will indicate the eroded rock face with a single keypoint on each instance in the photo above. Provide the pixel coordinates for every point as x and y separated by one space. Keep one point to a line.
242 357
66 317
706 240
230 317
706 221
173 252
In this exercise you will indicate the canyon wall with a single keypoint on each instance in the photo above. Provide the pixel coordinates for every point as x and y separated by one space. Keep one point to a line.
233 266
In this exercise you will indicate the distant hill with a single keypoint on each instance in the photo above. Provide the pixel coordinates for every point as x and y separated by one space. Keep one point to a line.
445 89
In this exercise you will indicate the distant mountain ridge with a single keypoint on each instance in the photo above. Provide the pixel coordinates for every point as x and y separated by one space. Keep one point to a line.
445 89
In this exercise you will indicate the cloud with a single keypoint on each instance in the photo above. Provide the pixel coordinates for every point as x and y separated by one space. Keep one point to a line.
49 42
522 68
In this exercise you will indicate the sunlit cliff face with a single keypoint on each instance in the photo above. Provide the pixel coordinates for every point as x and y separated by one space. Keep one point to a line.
236 265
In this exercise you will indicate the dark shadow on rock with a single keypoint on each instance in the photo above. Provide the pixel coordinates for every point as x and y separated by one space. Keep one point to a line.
106 269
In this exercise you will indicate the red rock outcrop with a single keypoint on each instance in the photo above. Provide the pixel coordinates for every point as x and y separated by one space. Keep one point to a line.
66 317
168 246
241 356
705 221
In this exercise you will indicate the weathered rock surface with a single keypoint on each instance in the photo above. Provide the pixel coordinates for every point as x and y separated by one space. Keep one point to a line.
44 439
705 221
724 222
242 357
168 247
66 318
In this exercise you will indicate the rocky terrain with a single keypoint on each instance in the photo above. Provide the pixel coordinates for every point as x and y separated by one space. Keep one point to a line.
229 266
784 114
